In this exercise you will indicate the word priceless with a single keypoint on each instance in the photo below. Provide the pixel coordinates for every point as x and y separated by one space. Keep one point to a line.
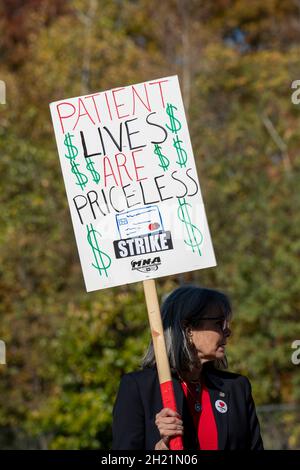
118 199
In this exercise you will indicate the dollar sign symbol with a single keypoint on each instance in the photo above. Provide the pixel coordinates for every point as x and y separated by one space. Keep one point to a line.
195 237
102 260
181 153
72 154
175 123
164 161
91 169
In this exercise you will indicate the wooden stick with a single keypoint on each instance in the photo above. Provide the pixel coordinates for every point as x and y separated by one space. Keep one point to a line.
163 368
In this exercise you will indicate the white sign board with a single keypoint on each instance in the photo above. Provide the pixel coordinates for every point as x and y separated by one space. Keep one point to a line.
132 185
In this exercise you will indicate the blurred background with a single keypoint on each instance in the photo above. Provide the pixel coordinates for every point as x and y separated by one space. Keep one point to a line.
65 349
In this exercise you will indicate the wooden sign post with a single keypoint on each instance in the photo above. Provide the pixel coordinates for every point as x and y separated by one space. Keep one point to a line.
162 362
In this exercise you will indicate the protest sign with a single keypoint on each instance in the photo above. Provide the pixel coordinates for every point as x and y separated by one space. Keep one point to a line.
131 183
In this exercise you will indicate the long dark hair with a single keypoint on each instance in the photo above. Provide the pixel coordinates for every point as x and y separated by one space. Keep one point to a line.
183 308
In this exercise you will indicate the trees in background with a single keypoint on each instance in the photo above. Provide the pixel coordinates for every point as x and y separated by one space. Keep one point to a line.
67 349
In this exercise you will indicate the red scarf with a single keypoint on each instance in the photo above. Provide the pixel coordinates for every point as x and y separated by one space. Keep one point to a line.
204 420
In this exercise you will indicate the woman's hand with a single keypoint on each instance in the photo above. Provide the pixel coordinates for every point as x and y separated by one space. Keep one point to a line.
169 425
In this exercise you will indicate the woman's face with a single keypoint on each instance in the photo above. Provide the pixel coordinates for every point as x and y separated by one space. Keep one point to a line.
209 338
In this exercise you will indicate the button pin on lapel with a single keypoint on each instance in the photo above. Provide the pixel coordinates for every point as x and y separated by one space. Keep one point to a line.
222 394
221 406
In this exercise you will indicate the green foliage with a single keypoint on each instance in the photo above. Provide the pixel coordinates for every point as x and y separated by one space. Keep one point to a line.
66 350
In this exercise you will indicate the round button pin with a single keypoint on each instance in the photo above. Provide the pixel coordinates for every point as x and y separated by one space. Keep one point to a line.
221 406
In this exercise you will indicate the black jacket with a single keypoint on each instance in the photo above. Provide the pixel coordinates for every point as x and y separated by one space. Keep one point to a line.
139 400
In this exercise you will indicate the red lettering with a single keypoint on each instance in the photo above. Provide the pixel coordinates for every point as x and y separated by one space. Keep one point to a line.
108 107
95 105
160 89
85 113
66 116
136 168
106 175
119 165
118 105
135 93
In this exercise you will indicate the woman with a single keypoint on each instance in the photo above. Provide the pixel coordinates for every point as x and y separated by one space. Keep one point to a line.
215 408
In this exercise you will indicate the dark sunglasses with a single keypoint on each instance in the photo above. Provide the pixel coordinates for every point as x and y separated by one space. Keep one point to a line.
221 322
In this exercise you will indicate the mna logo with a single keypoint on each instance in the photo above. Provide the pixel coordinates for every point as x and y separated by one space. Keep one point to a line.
2 92
146 265
2 352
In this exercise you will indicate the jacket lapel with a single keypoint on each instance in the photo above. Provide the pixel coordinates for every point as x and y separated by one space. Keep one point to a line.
218 391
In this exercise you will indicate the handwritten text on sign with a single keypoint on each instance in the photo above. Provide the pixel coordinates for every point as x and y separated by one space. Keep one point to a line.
132 184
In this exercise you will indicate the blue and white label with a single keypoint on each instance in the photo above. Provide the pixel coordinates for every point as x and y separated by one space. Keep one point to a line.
143 221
